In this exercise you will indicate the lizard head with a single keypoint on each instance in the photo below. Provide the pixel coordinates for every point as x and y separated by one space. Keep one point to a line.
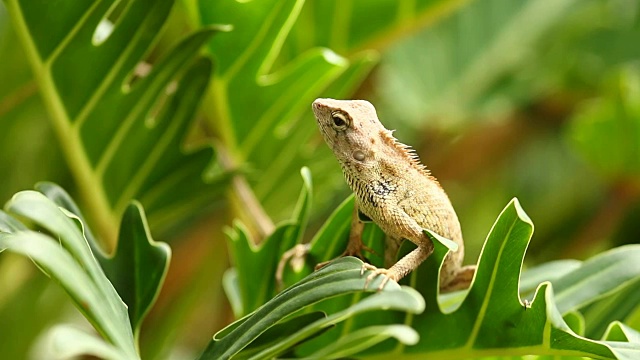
351 129
360 142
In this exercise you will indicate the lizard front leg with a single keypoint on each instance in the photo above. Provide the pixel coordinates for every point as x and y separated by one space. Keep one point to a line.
413 232
401 268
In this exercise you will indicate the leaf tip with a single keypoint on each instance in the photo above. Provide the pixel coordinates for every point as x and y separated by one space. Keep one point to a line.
520 211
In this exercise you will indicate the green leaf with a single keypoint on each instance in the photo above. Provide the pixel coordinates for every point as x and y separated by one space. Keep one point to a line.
121 131
606 132
620 332
623 305
340 277
463 58
597 277
69 342
255 284
575 321
341 26
139 266
618 337
489 318
61 198
8 224
545 272
72 265
273 338
365 338
137 271
408 300
262 127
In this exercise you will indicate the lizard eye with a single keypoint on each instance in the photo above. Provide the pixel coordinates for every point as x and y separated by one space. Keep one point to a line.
340 120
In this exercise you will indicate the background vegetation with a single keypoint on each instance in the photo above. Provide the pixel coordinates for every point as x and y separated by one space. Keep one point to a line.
530 99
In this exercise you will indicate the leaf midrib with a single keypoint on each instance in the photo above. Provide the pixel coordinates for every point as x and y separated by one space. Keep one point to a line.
485 303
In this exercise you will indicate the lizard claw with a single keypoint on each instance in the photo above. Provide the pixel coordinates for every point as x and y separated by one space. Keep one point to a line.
386 273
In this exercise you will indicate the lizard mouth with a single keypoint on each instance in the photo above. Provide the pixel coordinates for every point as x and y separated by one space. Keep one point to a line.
317 104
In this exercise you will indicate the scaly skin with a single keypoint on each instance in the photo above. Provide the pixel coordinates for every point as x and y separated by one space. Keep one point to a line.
392 188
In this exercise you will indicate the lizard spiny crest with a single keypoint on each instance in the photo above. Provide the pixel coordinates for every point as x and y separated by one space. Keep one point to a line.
405 151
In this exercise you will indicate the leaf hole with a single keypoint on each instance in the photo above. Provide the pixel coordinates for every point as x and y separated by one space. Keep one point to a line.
109 21
154 113
142 70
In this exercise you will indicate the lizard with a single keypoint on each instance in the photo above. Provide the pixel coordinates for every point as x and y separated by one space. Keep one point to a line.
392 188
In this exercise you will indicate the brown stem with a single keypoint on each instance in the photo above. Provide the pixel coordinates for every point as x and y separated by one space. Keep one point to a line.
244 202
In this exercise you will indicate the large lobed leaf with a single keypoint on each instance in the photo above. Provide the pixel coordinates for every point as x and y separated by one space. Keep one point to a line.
113 294
121 128
276 61
490 318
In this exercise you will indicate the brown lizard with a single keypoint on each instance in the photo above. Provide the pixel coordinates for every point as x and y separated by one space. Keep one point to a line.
393 189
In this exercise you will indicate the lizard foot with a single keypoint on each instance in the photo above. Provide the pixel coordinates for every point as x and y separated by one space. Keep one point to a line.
294 256
386 273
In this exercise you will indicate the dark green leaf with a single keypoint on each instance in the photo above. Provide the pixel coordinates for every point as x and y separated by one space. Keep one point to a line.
139 265
340 277
121 131
607 130
255 272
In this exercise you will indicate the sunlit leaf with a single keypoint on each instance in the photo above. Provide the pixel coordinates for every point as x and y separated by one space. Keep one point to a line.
72 265
61 250
461 59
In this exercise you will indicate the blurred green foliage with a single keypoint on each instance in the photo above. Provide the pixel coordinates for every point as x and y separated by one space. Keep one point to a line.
501 98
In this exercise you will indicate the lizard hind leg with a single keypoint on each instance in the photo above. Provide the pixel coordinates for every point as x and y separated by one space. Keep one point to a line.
355 245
